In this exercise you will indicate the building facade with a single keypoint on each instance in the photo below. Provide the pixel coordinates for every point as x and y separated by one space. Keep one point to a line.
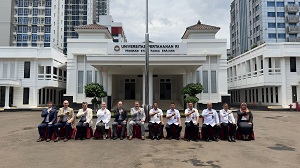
256 22
267 75
29 77
45 23
119 67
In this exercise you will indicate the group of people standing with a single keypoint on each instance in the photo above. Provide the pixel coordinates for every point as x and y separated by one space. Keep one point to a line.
65 117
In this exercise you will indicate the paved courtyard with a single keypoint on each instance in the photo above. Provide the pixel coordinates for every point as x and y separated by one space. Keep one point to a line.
277 144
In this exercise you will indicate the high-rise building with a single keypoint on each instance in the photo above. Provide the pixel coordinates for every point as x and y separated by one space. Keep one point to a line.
45 23
31 23
6 22
254 22
102 8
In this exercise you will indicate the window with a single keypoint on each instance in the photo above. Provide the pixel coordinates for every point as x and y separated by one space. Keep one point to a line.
257 18
280 14
80 82
205 81
276 94
35 12
47 20
20 11
34 29
271 93
271 25
89 77
293 64
246 97
34 37
267 95
270 62
291 3
25 95
48 12
213 81
272 35
262 95
47 29
281 25
48 69
256 94
270 4
271 14
26 69
197 76
250 100
281 35
47 37
279 4
294 93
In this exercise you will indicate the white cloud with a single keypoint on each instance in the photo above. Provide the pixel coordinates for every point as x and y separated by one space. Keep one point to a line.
169 19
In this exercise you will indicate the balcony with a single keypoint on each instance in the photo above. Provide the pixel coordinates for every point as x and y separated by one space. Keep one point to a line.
293 29
293 39
292 9
293 18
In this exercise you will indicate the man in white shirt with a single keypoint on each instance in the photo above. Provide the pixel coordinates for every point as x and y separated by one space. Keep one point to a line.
103 119
156 118
191 122
227 120
137 117
173 117
211 119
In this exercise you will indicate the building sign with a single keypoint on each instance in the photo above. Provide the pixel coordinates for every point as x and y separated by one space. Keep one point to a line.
154 48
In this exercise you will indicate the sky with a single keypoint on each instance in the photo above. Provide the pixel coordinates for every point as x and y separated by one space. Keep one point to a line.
168 19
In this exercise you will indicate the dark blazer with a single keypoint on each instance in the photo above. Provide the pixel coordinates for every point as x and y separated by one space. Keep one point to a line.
117 114
52 115
240 115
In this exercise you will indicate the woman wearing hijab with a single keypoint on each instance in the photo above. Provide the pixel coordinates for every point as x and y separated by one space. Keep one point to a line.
245 121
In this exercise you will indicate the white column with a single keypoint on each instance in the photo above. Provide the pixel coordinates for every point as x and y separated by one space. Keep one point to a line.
193 76
34 100
99 77
150 87
109 84
6 105
105 80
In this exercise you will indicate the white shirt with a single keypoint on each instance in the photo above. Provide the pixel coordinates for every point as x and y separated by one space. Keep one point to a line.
225 117
155 118
193 116
104 116
173 119
210 119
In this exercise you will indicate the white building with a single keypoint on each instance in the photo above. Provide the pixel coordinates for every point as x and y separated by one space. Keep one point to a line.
266 75
200 57
29 77
255 22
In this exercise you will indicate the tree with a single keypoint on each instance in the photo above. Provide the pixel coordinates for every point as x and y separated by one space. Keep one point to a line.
96 91
191 90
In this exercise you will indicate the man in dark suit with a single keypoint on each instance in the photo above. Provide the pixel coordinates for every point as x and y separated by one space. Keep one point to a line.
120 119
49 114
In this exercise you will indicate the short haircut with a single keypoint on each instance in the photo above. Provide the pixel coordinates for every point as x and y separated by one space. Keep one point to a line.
172 103
225 104
49 102
85 103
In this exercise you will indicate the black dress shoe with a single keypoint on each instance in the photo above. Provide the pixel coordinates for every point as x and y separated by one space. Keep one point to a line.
196 140
121 138
158 138
188 140
177 138
207 139
215 139
232 139
153 138
114 138
170 138
229 139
